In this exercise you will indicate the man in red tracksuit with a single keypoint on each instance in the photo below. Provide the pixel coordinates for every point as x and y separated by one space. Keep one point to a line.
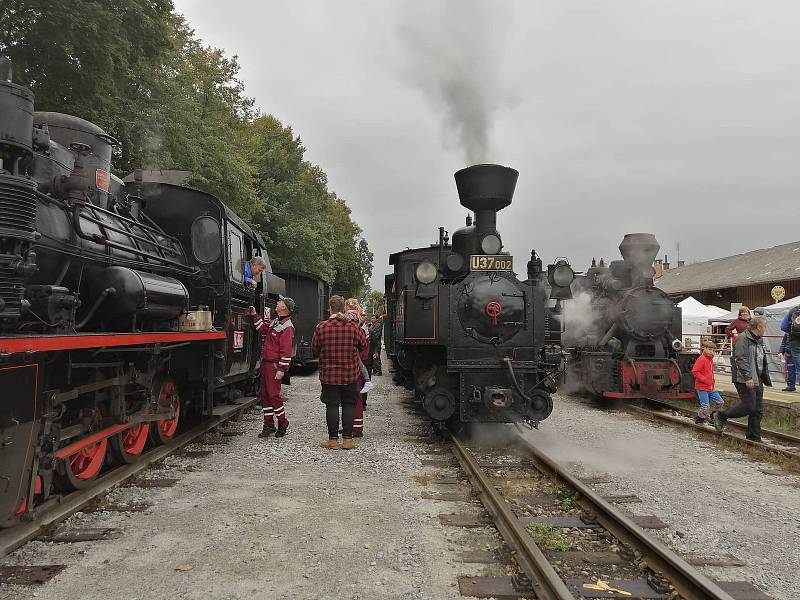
276 357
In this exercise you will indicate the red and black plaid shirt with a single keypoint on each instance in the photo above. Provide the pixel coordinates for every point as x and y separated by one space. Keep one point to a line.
338 344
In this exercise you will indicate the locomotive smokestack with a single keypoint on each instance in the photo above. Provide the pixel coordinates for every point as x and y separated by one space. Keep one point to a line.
486 189
640 249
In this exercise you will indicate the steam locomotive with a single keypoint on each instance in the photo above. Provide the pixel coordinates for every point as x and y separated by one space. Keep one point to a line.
121 305
623 335
474 342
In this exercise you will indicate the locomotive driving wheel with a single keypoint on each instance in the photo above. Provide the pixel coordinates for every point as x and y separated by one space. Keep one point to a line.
129 444
78 470
167 393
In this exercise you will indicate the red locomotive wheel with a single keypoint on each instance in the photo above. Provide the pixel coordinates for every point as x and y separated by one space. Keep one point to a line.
80 469
129 444
164 430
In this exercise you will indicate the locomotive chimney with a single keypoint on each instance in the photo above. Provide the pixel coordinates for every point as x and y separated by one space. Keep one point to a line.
486 189
640 250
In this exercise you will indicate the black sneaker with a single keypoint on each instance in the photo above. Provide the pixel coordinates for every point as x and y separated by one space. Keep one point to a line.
719 422
789 389
699 420
755 439
358 434
267 431
281 431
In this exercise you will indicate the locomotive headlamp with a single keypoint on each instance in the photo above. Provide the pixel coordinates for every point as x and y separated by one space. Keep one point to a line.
562 274
491 244
426 272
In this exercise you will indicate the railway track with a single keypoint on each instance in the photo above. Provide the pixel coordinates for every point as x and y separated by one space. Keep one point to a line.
783 444
64 506
669 573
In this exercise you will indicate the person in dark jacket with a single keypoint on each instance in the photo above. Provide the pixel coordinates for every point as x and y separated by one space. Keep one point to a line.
750 375
375 335
791 347
791 366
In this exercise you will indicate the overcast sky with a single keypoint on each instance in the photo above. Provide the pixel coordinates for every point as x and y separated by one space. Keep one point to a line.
676 118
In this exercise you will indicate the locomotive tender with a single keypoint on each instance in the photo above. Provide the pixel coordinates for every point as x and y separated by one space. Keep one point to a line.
121 305
626 344
474 342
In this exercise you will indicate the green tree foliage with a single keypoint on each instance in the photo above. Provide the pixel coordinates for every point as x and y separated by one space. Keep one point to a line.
97 59
375 303
137 69
307 226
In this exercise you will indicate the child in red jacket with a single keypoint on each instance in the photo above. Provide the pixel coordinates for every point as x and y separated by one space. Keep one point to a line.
703 371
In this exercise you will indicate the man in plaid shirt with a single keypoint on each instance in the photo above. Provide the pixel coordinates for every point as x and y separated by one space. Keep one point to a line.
338 343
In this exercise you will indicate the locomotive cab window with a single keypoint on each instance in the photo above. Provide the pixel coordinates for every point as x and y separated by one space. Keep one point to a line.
236 253
206 242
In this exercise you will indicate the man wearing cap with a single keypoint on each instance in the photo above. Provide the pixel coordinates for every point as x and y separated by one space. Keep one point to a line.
276 357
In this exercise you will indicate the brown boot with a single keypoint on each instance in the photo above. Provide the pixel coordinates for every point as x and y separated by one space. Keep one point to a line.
330 444
348 444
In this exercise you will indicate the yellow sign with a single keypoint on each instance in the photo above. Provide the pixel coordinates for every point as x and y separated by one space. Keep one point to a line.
778 293
603 586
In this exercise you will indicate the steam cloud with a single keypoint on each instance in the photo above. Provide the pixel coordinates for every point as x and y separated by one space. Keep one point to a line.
455 49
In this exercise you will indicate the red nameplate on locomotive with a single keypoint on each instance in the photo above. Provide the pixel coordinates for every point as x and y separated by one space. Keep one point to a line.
484 262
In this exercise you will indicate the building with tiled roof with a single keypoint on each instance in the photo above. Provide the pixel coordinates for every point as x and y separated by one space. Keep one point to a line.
747 278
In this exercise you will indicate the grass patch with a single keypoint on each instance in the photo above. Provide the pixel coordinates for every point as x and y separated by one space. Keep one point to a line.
567 504
549 538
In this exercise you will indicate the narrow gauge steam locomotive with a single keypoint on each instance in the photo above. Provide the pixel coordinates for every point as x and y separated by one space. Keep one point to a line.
627 343
475 343
95 276
312 295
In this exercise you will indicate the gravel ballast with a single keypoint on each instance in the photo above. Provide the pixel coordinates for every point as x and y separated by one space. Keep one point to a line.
275 518
716 501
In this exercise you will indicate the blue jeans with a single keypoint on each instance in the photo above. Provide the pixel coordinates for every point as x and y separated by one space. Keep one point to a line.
703 397
792 360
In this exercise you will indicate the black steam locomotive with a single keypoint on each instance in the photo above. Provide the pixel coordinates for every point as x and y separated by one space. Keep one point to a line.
121 305
475 343
623 333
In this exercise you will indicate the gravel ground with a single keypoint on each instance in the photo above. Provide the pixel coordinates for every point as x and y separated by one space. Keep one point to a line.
275 519
715 501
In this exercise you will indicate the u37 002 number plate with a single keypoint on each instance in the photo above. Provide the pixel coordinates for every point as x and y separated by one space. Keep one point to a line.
483 262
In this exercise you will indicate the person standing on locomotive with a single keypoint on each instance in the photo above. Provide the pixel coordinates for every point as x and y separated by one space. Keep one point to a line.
275 360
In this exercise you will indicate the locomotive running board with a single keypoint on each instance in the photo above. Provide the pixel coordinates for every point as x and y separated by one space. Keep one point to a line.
46 343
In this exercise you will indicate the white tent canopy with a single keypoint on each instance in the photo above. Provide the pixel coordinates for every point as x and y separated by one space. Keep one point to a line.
783 305
695 316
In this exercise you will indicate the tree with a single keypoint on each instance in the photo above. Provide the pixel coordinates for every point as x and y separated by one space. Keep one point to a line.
137 70
375 303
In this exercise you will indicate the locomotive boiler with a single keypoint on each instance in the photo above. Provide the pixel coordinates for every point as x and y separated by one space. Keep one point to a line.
474 342
121 305
623 333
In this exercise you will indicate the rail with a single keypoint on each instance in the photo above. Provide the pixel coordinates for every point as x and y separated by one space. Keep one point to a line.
688 581
18 535
546 582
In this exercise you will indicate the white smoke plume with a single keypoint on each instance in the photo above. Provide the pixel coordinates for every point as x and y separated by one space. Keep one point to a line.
455 51
580 319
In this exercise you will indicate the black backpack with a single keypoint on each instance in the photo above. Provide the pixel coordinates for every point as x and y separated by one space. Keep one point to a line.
794 323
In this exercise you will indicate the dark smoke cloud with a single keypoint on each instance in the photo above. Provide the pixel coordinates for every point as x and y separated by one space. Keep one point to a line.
455 52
